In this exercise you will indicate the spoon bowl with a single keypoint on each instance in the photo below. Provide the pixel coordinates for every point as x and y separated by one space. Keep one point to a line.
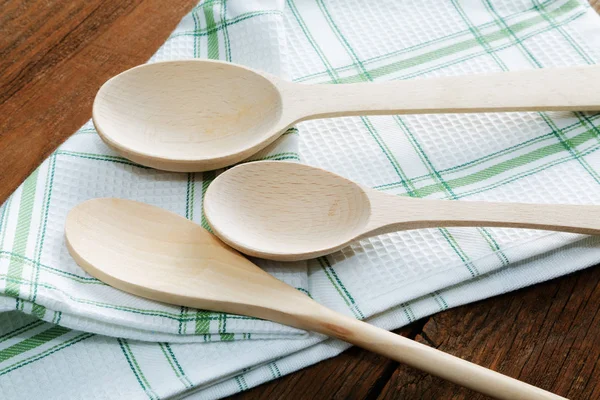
278 210
199 115
187 115
287 211
135 246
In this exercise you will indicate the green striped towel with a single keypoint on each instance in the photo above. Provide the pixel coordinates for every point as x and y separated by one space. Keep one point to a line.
83 339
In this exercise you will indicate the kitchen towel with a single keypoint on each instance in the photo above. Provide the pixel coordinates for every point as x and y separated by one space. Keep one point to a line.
82 339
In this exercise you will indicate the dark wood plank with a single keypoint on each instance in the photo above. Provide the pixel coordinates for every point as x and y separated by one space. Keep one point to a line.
54 55
546 335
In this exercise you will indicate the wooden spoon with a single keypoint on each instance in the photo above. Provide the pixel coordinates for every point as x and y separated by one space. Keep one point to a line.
200 115
286 211
153 253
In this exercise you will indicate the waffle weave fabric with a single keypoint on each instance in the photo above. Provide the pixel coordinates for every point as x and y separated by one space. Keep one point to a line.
83 339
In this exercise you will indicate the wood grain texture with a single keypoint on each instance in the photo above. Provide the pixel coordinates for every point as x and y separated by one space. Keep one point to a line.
54 55
546 335
38 43
526 90
288 211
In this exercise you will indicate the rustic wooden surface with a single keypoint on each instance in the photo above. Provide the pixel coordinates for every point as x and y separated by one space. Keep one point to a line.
53 57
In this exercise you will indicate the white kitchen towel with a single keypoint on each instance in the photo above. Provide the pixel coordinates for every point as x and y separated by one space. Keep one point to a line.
390 280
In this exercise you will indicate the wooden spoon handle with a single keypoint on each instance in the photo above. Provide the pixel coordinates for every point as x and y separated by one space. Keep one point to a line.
568 89
394 213
428 359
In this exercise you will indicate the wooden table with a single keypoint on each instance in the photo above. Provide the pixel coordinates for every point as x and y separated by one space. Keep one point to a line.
53 57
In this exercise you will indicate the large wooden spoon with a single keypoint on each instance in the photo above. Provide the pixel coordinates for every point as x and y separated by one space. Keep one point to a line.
159 255
286 211
199 115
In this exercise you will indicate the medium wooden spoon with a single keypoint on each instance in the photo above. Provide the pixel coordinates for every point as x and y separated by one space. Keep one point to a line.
200 115
286 211
159 255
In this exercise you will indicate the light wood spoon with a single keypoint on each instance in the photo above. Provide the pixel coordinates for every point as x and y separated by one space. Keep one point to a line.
156 254
287 211
200 115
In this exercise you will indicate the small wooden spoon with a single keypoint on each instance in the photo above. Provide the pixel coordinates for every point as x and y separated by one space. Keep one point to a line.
200 115
286 211
153 253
